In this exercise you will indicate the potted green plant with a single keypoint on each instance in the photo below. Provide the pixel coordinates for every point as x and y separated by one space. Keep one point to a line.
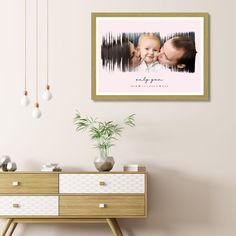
103 133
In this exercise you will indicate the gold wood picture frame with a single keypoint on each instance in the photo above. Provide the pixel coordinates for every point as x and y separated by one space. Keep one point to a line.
150 56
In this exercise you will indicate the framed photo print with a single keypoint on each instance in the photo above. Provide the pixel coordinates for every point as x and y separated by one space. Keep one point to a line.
149 56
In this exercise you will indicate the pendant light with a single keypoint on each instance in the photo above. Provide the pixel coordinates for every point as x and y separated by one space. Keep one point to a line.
36 112
25 101
47 95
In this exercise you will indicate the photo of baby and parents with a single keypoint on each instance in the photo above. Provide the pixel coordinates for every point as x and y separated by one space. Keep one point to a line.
149 52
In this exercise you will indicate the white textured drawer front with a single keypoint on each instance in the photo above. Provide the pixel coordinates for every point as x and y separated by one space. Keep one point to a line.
29 205
102 183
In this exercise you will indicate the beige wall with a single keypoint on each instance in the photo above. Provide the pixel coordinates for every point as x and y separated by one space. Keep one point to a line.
188 147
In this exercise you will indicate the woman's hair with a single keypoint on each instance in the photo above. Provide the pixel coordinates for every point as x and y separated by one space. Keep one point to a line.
116 53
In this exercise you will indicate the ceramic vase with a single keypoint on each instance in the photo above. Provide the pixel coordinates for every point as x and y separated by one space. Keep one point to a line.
104 163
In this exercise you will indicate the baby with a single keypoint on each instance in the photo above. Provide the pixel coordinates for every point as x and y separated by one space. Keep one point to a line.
148 49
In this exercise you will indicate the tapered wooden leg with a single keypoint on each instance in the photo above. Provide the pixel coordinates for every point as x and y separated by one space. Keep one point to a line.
12 229
7 227
115 228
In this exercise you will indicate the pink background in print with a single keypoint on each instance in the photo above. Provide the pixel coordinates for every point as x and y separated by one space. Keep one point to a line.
163 82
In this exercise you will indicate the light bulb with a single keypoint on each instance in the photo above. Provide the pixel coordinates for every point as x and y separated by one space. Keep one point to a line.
25 101
36 112
47 95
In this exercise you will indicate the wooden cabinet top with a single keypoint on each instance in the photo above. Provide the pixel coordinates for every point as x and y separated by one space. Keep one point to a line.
75 172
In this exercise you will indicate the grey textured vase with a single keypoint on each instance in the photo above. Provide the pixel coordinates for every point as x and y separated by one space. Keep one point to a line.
104 163
4 161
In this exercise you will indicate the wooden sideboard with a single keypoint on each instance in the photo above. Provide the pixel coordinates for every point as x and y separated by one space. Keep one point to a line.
72 197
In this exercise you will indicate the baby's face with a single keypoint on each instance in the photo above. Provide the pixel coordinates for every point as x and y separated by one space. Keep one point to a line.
149 50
